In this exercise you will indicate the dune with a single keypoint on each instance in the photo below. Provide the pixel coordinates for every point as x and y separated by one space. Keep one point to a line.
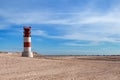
15 67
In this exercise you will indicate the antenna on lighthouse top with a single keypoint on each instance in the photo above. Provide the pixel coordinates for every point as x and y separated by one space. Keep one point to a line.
27 27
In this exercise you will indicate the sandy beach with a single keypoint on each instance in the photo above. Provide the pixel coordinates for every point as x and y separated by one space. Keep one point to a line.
15 67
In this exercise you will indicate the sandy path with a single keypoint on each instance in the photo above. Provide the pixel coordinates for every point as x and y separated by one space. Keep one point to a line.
66 68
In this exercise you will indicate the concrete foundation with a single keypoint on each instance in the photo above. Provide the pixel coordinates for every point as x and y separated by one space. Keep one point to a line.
27 54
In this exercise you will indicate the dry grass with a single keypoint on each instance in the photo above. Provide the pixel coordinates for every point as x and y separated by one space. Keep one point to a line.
15 67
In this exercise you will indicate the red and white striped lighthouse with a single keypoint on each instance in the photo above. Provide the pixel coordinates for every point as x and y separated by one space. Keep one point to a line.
27 42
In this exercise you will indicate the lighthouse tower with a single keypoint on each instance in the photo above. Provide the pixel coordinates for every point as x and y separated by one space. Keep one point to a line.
27 43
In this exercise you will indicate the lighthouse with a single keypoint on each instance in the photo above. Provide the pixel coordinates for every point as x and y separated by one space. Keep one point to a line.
27 43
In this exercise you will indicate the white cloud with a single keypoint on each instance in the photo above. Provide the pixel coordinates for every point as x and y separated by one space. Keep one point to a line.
101 25
3 26
87 16
39 33
76 37
79 44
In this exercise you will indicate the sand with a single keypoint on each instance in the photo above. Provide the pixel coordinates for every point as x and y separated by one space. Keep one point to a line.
14 67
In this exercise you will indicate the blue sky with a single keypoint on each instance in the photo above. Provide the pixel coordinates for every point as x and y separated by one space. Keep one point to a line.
62 27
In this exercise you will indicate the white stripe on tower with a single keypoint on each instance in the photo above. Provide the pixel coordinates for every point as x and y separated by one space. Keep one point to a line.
27 43
27 39
27 49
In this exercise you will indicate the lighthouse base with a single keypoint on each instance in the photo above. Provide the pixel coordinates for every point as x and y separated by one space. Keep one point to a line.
27 54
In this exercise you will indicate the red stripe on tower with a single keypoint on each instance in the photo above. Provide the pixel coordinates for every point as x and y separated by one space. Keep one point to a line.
27 42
